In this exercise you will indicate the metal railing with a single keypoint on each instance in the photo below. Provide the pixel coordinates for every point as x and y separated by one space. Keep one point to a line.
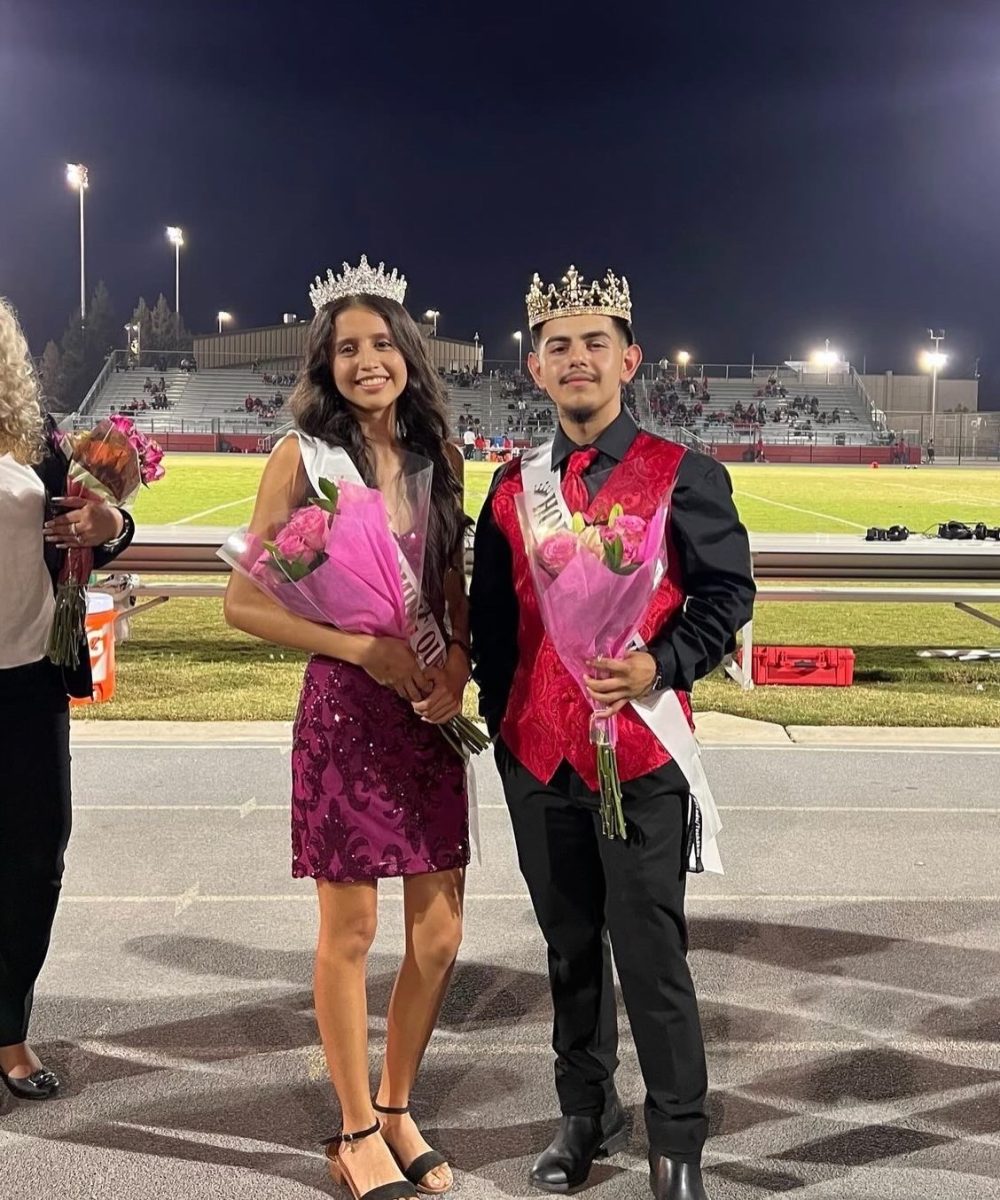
97 386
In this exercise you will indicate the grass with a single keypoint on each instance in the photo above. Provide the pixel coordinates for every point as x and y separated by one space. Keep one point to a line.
206 489
184 663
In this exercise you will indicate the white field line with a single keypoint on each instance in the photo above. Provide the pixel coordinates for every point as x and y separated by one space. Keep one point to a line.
795 508
218 508
943 497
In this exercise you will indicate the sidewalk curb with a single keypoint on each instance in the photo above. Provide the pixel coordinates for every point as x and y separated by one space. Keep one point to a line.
714 730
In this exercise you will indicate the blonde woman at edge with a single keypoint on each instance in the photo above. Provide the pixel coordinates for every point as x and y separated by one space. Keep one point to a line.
39 526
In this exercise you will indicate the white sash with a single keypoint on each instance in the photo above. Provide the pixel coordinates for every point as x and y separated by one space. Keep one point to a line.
322 461
661 712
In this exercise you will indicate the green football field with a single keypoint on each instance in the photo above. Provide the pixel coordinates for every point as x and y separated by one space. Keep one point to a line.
183 662
218 490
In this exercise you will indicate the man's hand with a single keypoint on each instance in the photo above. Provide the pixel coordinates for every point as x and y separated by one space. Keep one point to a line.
617 681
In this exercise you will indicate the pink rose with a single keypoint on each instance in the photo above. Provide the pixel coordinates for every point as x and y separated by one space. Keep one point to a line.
632 531
124 425
289 545
311 524
557 551
150 457
626 523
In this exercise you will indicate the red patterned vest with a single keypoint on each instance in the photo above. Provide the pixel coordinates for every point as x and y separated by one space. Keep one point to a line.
548 717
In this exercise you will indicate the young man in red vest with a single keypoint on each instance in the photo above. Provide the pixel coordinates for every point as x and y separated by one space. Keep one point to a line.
586 888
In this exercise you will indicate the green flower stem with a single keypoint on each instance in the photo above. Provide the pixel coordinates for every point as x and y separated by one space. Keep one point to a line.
612 814
68 624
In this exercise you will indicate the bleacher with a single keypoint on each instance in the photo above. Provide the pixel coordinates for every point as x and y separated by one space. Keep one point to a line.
855 424
198 401
214 400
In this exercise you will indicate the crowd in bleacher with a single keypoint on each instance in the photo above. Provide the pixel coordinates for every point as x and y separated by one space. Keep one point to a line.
157 402
461 377
684 401
265 410
274 378
666 404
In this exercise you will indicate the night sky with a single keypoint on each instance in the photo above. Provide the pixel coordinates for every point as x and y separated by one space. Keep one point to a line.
767 174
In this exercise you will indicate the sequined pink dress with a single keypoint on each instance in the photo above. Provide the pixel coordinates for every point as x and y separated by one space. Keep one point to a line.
376 792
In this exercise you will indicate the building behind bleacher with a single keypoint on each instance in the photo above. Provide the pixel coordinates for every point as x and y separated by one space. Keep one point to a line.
285 345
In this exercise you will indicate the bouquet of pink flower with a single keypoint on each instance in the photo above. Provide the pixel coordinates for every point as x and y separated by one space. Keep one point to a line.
594 582
109 462
337 561
150 453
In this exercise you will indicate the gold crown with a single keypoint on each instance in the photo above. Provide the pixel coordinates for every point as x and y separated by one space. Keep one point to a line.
608 297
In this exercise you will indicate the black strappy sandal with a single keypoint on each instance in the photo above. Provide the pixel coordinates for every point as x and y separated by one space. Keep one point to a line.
423 1164
399 1190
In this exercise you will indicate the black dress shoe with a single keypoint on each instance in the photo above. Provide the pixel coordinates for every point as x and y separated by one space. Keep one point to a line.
566 1161
42 1084
673 1180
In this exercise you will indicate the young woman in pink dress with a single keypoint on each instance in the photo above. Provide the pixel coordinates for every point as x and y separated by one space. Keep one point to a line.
377 791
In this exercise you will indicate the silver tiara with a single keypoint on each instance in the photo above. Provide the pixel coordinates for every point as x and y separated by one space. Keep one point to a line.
361 280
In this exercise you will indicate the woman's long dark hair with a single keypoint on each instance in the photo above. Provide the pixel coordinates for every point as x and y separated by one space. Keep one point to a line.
421 415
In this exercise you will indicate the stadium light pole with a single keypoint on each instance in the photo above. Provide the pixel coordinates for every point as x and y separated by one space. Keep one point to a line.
222 317
826 357
133 334
175 236
432 314
933 361
683 358
519 338
77 177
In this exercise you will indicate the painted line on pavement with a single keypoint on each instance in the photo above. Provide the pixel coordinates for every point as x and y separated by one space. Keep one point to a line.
192 896
770 748
252 806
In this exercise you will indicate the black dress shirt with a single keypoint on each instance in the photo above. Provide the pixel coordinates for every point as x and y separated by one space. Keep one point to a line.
716 574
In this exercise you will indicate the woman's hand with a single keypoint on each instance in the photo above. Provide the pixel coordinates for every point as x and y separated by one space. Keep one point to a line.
445 701
391 662
85 523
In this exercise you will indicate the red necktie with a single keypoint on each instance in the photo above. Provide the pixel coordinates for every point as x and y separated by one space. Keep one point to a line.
574 489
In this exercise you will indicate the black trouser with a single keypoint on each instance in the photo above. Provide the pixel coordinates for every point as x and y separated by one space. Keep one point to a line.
583 887
34 830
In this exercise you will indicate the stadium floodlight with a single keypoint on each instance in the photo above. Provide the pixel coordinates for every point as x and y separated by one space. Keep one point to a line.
222 317
175 236
826 358
683 358
934 361
432 314
519 338
78 177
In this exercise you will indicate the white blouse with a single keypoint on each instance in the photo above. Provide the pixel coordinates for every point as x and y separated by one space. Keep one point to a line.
27 605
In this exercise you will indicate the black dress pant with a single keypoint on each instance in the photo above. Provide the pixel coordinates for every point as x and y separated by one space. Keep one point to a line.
585 887
34 830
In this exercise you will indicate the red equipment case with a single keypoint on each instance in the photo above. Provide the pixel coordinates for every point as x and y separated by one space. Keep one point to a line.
810 666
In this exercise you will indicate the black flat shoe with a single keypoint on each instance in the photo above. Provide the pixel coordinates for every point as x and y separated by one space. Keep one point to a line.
42 1084
565 1163
673 1180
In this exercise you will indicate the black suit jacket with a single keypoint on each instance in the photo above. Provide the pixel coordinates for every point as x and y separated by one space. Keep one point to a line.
52 471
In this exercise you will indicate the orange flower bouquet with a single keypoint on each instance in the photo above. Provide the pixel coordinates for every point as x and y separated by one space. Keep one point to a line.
109 462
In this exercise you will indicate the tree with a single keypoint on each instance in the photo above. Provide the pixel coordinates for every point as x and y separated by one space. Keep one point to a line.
162 326
50 374
99 333
73 380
